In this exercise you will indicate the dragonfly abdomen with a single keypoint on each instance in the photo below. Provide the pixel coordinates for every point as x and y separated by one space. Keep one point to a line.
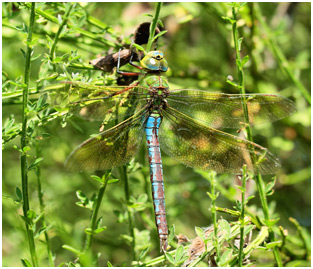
156 176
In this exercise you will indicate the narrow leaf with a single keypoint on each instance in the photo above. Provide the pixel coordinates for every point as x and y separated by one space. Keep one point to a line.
18 193
169 257
179 254
225 228
99 230
26 263
74 250
200 233
35 163
245 60
113 180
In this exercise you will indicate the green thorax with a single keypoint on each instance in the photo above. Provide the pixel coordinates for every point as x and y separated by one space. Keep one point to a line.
153 81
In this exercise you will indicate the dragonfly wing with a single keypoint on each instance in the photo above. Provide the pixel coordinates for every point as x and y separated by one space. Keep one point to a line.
226 110
199 146
99 103
111 148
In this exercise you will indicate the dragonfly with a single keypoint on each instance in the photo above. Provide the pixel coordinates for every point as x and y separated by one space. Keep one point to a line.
184 123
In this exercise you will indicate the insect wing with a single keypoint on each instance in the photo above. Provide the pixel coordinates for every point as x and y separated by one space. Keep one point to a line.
220 110
99 103
199 146
111 148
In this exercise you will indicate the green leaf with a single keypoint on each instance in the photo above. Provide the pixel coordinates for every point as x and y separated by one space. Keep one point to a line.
142 198
18 193
39 216
271 222
239 64
225 228
100 230
80 195
240 188
31 214
272 244
171 233
179 254
74 250
113 180
200 233
99 222
109 264
26 263
225 257
35 163
239 43
26 148
245 60
159 34
138 47
232 83
143 253
169 257
270 185
97 178
228 19
248 199
160 23
24 53
42 101
247 229
88 231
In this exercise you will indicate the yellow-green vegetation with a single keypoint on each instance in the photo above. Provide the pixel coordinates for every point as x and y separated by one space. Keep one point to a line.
52 217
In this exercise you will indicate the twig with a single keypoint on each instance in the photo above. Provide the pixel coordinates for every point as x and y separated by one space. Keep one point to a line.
258 177
24 138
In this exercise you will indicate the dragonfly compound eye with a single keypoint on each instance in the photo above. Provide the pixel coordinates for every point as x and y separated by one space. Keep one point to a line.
154 61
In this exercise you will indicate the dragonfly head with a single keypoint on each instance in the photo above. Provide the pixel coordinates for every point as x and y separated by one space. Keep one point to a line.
154 62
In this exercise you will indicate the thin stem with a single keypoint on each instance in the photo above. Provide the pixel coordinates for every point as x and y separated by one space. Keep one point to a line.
242 214
214 219
258 177
42 208
24 170
124 176
283 63
153 26
94 216
56 38
85 33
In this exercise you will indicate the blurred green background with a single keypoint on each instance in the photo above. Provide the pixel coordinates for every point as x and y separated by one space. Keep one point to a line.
199 49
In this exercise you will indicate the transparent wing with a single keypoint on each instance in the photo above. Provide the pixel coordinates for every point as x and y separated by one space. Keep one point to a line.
99 103
198 146
111 148
220 110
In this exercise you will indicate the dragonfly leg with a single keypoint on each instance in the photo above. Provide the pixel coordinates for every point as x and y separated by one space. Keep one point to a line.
132 63
125 73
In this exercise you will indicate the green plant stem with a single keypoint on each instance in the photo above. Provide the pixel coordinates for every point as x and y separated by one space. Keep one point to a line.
213 210
42 208
83 32
284 64
56 38
242 214
24 139
153 26
258 177
94 215
253 245
306 241
124 176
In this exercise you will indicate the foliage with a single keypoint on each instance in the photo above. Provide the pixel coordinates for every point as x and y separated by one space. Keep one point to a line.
105 222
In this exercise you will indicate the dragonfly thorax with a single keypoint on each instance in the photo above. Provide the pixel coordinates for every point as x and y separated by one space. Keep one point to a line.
154 62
